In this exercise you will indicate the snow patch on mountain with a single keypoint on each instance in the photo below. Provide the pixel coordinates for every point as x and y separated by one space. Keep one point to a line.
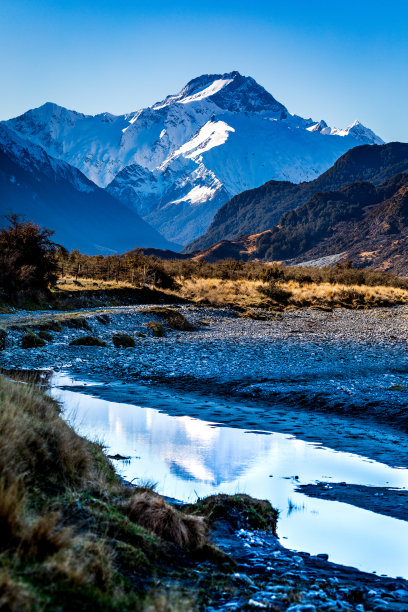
357 130
212 134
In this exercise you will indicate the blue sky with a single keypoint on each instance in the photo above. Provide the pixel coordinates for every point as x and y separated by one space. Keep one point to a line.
337 61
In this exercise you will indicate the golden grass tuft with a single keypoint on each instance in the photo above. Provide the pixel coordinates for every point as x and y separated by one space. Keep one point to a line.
219 292
344 296
45 536
38 447
33 539
11 509
151 512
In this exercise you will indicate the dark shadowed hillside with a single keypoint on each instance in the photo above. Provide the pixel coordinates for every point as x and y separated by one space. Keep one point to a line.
361 222
56 195
259 209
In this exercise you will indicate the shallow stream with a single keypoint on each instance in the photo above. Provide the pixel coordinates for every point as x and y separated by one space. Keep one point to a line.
189 458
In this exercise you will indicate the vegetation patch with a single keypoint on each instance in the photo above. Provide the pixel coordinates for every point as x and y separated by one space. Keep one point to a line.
32 340
123 341
45 335
76 323
152 512
240 511
156 328
87 341
173 318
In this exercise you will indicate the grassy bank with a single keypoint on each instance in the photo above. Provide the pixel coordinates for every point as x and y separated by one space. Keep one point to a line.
72 535
289 294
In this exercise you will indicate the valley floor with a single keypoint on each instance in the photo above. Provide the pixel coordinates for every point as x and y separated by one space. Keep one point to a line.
339 378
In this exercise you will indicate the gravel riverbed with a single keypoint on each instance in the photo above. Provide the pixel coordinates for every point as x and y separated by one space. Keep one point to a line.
339 378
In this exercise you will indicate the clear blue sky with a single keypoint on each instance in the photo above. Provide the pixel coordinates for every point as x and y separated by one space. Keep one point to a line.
332 60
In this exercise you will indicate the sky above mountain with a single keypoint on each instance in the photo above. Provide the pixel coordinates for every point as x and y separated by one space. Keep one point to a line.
338 61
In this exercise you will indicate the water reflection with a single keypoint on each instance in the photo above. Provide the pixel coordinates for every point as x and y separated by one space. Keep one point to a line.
188 457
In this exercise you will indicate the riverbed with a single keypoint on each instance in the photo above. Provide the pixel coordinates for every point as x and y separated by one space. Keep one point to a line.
188 458
256 406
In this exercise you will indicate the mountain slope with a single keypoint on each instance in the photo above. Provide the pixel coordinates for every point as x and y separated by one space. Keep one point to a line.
55 195
258 209
363 222
179 160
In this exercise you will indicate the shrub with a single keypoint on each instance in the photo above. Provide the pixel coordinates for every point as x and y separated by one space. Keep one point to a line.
157 329
275 292
153 513
32 340
87 341
173 318
123 340
28 265
77 323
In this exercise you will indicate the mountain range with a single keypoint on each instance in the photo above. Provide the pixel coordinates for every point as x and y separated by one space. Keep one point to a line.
365 220
58 196
257 210
178 161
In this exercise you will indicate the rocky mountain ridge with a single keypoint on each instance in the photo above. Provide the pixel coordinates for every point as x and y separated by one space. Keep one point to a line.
178 161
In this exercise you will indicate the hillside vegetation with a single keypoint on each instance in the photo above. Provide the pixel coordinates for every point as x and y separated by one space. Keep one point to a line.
257 210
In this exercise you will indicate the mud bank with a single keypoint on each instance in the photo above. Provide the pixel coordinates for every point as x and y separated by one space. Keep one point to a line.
381 500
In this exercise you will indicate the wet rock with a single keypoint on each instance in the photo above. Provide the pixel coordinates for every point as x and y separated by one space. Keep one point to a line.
32 340
301 608
243 579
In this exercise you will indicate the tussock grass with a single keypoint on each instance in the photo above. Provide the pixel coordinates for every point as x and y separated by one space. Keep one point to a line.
240 511
156 328
251 294
38 447
219 292
32 340
346 296
123 341
152 512
173 318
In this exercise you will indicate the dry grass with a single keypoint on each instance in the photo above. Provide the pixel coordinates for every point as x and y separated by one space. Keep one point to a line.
337 295
39 448
88 562
249 294
241 511
219 292
69 283
14 595
32 538
153 513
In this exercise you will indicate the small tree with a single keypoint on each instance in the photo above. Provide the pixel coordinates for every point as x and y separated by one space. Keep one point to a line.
28 265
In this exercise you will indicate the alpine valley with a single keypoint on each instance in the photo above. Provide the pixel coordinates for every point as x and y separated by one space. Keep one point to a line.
176 163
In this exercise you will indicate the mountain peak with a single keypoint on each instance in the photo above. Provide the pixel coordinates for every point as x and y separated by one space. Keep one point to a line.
230 91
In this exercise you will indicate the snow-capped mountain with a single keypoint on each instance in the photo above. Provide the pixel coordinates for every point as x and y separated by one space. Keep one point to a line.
179 160
55 195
